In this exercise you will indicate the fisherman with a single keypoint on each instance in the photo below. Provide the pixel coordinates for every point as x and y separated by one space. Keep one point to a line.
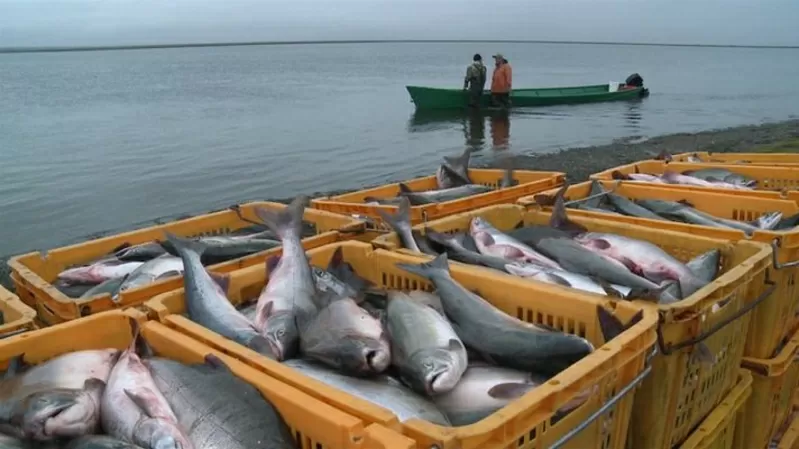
475 80
501 82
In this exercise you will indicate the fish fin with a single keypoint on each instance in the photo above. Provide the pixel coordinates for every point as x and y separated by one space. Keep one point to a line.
509 391
119 248
404 188
654 294
701 353
559 219
452 172
16 366
138 344
619 175
611 326
427 269
506 163
180 244
437 237
141 401
222 280
271 264
286 219
423 243
559 280
609 290
401 217
686 203
94 384
462 160
162 275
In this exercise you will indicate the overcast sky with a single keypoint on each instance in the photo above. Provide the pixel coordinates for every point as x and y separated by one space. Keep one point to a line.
115 22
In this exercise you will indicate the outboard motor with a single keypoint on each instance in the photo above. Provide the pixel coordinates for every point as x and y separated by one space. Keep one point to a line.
634 80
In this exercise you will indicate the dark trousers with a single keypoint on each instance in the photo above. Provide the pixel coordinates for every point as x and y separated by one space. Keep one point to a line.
474 97
500 99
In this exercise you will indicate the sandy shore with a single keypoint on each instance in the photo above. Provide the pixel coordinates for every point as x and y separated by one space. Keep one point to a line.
579 163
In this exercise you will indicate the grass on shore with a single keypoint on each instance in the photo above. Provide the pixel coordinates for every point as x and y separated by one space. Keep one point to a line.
785 146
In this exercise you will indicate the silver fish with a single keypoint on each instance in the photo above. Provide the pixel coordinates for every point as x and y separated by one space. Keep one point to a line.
289 294
430 356
722 175
219 409
490 241
456 245
98 272
110 286
439 196
99 442
484 389
135 410
207 303
156 269
675 178
505 340
706 265
139 253
346 337
566 278
381 390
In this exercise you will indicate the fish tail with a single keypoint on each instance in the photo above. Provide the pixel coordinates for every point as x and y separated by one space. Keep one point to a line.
178 245
506 163
559 219
401 218
285 220
611 326
137 344
437 237
460 161
428 269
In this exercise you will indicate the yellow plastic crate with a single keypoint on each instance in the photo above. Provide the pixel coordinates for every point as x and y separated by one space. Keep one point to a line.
33 273
717 431
768 159
614 368
773 182
530 182
681 391
774 382
15 316
789 439
771 319
315 424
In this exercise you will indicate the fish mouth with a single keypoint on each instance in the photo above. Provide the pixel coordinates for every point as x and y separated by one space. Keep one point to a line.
441 382
377 360
276 348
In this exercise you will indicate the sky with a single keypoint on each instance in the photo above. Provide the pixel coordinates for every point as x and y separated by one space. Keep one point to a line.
33 23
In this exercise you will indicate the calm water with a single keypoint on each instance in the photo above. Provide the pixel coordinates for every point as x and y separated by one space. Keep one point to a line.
96 141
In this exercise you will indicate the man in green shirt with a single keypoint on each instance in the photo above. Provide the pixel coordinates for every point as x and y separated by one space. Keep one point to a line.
475 80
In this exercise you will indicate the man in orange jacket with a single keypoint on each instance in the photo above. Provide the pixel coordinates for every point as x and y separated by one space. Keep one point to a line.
501 82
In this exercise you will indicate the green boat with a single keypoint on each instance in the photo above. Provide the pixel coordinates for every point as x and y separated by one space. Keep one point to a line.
438 98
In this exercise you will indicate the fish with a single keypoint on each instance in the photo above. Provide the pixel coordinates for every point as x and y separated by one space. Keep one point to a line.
484 389
628 207
400 222
134 409
456 245
9 442
500 338
207 303
419 198
490 241
219 409
99 442
717 174
428 353
425 245
787 223
671 177
371 200
222 248
289 294
43 412
642 258
568 279
138 253
381 390
111 287
161 267
454 171
346 337
98 272
330 287
638 177
57 398
682 211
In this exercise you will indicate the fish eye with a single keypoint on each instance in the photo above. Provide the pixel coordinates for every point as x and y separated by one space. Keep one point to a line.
427 365
280 332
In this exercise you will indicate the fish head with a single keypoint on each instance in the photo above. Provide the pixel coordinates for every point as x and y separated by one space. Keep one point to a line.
361 356
282 335
479 225
436 370
63 412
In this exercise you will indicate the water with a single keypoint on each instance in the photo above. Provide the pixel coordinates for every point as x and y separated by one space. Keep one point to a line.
93 141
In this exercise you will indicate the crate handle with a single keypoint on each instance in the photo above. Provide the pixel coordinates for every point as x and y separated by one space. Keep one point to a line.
670 349
775 246
606 406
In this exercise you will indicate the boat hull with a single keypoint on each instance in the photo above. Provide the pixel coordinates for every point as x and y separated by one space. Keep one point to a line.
437 98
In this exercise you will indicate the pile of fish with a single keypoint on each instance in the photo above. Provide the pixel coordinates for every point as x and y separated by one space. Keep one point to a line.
565 253
449 357
602 200
111 399
452 181
694 158
717 177
133 266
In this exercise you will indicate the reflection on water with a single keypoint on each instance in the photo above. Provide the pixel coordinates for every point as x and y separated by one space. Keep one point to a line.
472 123
633 115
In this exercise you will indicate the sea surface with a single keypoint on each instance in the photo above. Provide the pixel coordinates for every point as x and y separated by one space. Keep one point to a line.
107 140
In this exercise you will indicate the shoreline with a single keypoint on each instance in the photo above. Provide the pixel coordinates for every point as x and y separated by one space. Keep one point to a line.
577 163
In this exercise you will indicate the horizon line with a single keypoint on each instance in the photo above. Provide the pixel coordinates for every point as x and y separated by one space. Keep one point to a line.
53 49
